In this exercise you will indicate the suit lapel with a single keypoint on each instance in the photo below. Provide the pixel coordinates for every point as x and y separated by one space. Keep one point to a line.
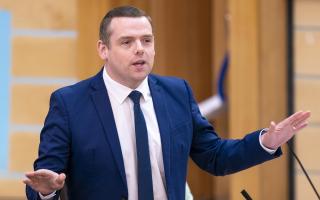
102 103
159 104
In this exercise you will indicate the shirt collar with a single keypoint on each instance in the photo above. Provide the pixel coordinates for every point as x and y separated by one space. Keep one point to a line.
121 92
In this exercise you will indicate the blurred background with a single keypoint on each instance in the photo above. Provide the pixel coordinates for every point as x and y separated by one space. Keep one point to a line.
273 48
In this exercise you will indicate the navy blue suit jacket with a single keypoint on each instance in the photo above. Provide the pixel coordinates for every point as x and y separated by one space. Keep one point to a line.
80 138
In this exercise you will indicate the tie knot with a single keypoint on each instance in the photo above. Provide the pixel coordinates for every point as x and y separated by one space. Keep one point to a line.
135 96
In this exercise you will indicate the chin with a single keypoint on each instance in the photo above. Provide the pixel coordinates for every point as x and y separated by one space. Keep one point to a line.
141 77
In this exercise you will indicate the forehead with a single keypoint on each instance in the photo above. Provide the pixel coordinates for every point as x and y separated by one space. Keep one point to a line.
130 26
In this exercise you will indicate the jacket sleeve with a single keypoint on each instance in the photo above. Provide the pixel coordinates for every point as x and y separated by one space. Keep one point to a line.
54 142
223 156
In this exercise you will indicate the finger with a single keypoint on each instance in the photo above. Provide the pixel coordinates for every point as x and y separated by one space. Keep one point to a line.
301 126
44 176
295 118
302 118
47 174
29 183
26 181
296 126
61 178
29 174
35 176
292 118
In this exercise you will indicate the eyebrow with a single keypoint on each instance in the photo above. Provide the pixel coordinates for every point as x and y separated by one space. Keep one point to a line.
130 37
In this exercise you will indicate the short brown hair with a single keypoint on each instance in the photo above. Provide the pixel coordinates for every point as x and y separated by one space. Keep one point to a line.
122 11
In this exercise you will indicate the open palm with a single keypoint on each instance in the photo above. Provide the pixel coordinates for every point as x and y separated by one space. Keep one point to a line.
280 133
45 181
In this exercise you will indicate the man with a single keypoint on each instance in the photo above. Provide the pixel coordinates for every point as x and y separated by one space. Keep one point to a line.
127 134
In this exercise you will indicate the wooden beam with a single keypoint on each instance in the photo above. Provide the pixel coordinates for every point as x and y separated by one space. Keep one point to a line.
258 87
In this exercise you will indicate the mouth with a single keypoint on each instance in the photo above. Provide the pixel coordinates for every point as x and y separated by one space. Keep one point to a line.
139 63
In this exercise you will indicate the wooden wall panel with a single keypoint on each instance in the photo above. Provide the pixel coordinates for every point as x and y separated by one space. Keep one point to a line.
12 189
220 32
42 58
23 149
89 15
306 13
307 143
30 103
306 52
42 14
307 85
273 90
307 97
303 188
183 48
244 86
48 57
183 42
258 87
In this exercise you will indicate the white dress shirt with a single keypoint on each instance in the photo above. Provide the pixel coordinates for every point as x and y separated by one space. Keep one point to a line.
122 108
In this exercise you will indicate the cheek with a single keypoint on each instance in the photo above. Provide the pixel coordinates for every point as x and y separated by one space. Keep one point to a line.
118 57
151 53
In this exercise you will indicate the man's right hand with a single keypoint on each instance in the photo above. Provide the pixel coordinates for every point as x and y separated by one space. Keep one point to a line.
45 181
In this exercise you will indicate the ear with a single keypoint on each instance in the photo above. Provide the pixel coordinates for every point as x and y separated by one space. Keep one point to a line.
102 50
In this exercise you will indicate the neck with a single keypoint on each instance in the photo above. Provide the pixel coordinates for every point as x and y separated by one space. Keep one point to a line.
130 84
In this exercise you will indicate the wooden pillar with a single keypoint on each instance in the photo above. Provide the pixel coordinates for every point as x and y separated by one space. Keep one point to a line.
220 39
257 87
90 14
183 48
183 42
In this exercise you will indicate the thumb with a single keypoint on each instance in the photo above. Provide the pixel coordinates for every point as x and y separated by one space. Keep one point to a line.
272 127
61 178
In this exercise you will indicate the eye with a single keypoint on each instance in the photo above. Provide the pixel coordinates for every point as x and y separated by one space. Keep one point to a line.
125 42
147 40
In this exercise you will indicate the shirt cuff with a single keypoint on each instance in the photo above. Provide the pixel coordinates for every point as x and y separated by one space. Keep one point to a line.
270 151
47 197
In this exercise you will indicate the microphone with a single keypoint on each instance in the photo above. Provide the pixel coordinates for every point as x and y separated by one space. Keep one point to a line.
246 195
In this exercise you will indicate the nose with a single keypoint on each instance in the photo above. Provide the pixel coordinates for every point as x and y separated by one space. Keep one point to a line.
139 48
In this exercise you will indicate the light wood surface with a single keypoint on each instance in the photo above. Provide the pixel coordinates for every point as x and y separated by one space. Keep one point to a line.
23 149
12 189
30 103
44 57
42 14
307 85
306 52
307 97
306 12
258 88
307 146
